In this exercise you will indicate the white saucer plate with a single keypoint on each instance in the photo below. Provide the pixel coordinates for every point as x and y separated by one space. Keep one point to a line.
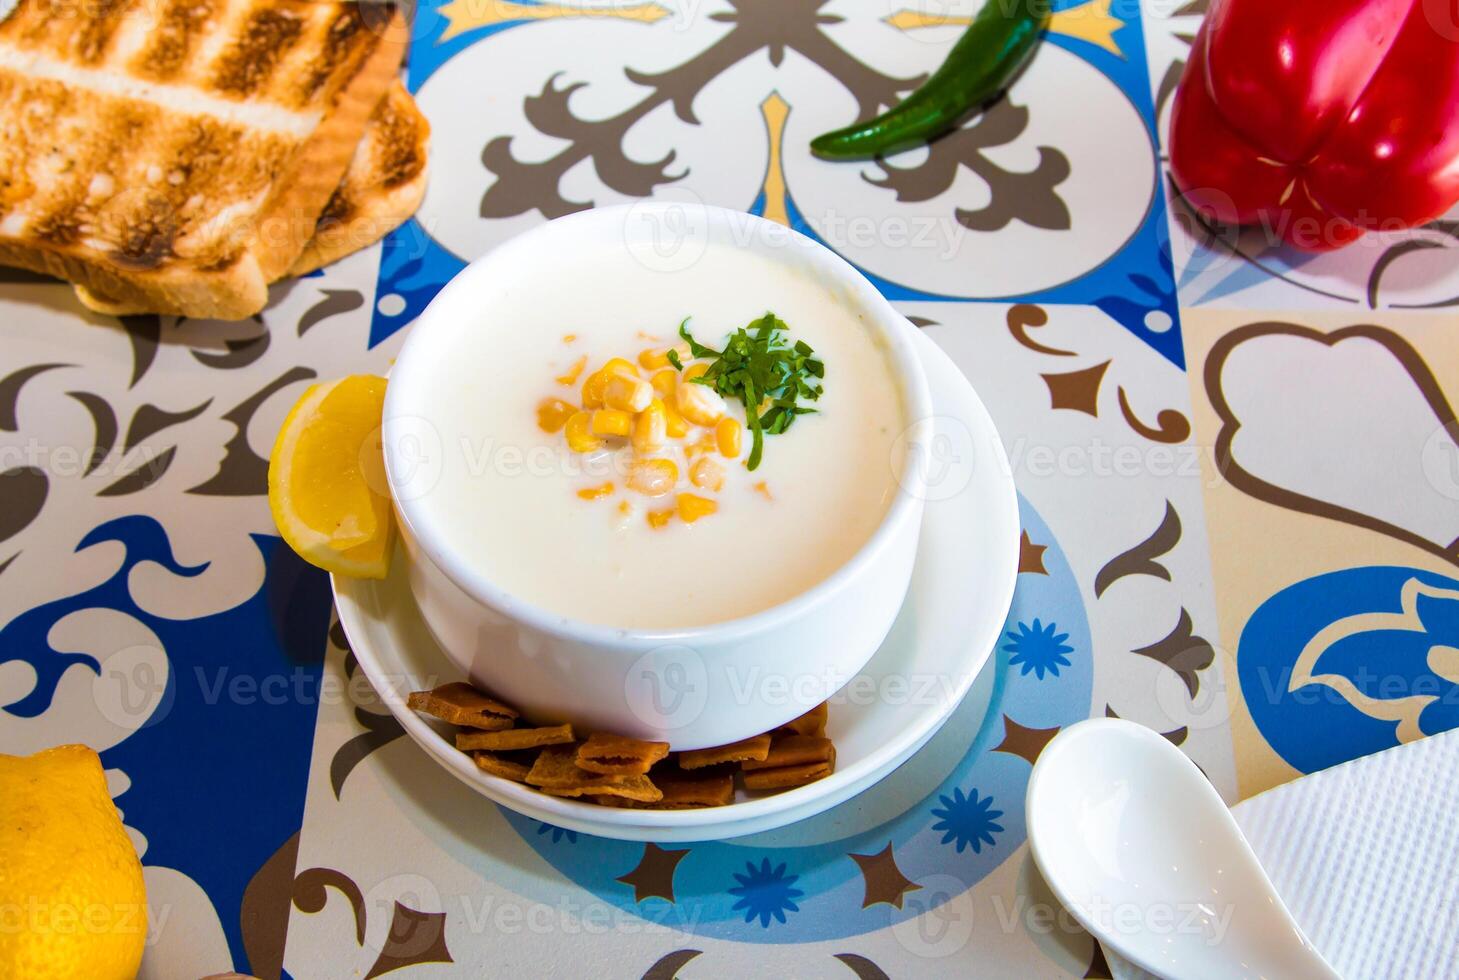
962 587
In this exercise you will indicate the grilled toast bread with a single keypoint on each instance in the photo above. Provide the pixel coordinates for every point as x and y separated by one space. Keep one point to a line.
175 155
381 189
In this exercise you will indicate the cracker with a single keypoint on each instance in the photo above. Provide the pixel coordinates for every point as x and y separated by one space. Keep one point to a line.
556 765
635 788
788 777
497 765
556 772
792 750
461 704
813 722
513 738
616 755
756 748
691 790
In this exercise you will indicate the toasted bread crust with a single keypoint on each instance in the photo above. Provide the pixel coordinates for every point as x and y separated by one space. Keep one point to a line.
180 170
232 294
382 188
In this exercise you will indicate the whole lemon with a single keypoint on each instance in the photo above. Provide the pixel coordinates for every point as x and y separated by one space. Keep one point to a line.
72 902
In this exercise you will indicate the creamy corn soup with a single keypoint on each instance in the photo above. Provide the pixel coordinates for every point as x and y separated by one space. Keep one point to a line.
585 473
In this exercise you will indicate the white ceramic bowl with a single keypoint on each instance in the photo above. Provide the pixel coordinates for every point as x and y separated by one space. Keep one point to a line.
950 622
695 687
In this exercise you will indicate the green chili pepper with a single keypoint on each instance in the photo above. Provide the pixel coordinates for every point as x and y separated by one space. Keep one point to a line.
991 51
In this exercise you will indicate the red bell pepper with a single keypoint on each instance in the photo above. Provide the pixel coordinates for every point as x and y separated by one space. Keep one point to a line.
1320 119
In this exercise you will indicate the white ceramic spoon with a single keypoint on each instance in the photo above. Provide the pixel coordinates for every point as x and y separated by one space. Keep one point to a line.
1139 847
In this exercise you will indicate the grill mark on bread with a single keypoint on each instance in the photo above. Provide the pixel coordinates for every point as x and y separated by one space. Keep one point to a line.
62 227
400 158
217 196
96 30
32 23
15 184
337 210
339 43
173 39
246 66
146 242
76 31
75 163
47 163
161 207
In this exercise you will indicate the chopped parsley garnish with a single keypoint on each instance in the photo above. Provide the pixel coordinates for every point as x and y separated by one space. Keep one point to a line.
758 366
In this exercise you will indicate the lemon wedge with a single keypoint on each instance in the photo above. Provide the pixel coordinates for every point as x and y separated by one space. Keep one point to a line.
70 881
326 478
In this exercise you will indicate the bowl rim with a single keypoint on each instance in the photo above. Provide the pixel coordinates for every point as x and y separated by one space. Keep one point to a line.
893 329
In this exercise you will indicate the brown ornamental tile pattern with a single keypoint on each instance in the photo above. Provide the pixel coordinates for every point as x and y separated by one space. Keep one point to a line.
1024 742
653 876
1031 556
415 937
1077 390
885 882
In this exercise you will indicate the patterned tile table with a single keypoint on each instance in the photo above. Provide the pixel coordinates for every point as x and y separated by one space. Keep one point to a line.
1238 467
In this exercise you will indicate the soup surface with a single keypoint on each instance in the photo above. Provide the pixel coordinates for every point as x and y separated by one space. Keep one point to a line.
590 533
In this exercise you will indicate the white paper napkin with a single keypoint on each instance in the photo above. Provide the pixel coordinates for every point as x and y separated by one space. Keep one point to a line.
1366 855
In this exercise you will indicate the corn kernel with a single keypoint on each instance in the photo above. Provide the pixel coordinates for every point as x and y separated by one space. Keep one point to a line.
763 490
593 390
704 444
706 473
650 428
627 394
693 507
595 493
695 371
611 422
660 518
580 438
553 413
674 423
653 477
573 373
568 338
727 435
657 357
699 404
664 382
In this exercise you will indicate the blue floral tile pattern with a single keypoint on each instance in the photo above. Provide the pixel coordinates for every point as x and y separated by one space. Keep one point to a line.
766 892
967 820
1038 649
